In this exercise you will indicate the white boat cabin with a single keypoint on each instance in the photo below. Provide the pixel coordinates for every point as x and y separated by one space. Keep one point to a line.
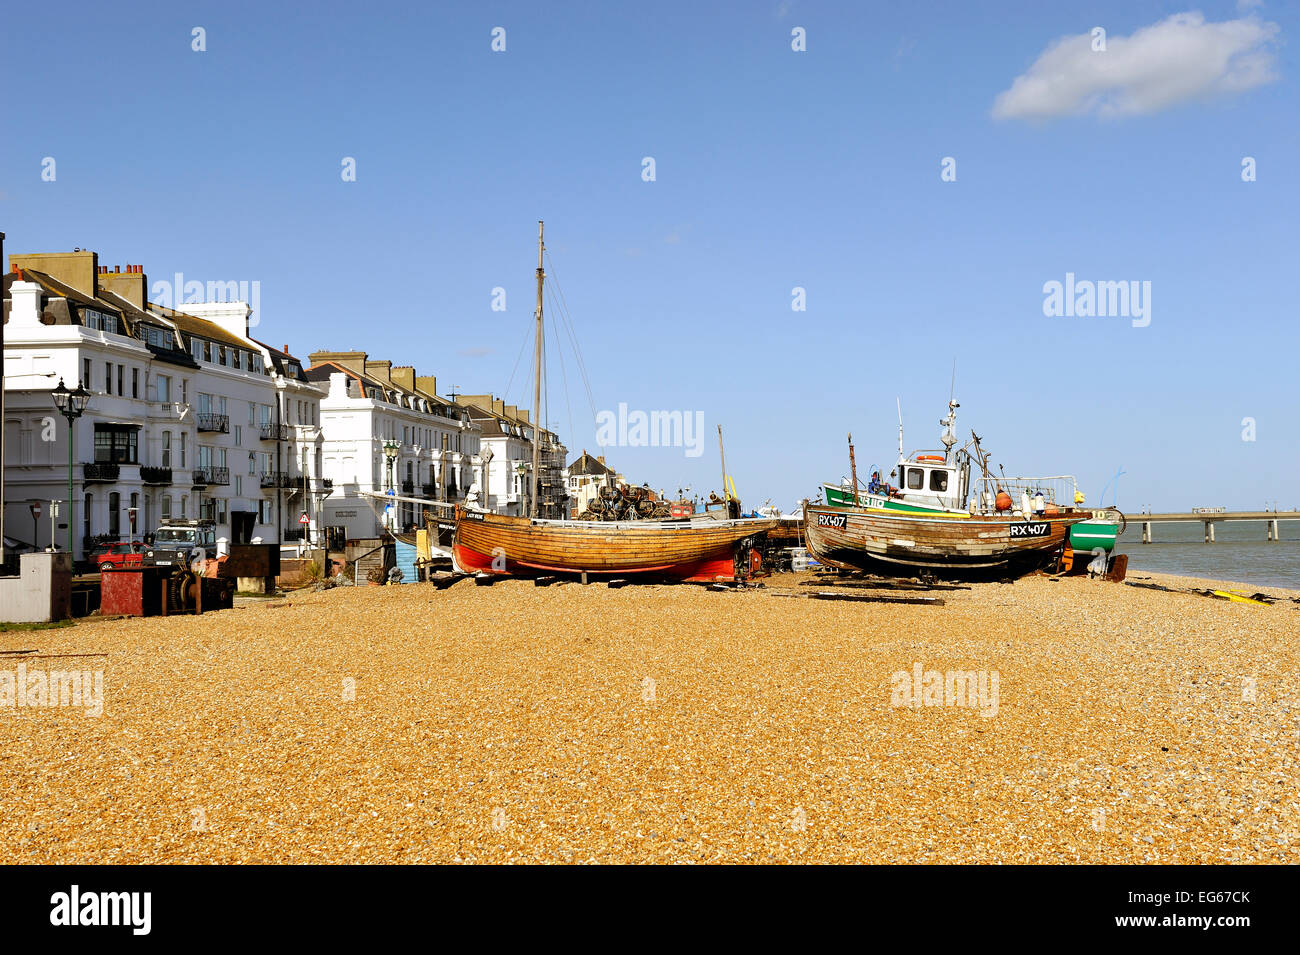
933 479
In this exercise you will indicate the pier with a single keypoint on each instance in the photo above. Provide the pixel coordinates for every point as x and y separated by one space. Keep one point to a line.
1211 516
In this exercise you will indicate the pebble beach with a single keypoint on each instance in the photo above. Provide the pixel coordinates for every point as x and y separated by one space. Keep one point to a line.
572 723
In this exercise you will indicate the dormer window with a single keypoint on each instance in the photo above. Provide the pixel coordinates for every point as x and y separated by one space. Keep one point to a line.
100 321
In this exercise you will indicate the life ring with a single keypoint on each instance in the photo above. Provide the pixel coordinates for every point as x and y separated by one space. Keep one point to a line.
930 457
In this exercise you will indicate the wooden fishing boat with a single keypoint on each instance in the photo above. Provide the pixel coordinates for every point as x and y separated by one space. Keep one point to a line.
635 543
870 538
700 549
937 520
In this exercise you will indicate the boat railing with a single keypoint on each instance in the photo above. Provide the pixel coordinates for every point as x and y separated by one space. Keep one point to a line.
1057 489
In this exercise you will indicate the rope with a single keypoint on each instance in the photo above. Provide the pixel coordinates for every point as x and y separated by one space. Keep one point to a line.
567 320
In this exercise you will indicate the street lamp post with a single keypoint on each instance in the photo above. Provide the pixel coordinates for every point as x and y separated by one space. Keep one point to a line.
71 404
391 450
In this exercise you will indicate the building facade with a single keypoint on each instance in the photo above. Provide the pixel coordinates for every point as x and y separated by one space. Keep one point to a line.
386 428
173 428
508 459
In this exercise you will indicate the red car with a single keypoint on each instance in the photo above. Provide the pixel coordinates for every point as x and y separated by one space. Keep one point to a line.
121 554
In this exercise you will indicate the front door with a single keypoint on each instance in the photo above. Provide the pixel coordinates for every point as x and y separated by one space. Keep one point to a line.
241 526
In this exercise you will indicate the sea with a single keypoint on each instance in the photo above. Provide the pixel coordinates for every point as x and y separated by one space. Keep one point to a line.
1241 551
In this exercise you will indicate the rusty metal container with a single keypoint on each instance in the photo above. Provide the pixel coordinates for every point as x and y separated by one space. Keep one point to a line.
136 591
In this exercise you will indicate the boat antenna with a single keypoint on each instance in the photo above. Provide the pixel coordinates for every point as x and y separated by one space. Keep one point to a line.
537 379
899 402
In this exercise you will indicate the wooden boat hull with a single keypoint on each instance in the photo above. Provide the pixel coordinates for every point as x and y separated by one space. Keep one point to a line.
947 543
703 549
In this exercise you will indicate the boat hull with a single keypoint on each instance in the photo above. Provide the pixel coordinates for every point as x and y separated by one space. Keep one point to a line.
951 543
1089 535
698 550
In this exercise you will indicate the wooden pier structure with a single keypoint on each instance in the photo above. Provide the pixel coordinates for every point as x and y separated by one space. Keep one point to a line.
1211 516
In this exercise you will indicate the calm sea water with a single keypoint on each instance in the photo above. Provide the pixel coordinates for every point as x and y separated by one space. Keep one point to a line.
1241 551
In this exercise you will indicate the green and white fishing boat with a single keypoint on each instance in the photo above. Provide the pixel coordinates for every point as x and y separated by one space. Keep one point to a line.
936 482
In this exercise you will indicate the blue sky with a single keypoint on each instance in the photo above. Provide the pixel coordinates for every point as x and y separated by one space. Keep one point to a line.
774 169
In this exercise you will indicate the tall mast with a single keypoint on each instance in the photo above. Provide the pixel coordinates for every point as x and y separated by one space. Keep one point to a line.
853 467
537 378
723 456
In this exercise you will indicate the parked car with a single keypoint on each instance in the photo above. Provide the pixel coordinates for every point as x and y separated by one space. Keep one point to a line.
120 554
176 543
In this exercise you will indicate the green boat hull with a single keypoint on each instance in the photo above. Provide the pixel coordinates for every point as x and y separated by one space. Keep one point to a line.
1089 535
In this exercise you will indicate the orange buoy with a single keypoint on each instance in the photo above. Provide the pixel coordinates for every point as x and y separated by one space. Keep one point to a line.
1003 501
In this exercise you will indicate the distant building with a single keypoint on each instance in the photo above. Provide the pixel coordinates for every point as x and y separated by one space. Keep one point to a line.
585 477
508 459
174 428
373 404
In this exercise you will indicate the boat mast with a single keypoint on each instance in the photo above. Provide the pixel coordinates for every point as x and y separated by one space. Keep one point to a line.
853 466
723 457
537 379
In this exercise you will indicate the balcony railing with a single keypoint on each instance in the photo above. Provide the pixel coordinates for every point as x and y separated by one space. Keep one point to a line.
408 487
214 422
275 432
326 484
206 476
101 471
429 490
276 479
155 475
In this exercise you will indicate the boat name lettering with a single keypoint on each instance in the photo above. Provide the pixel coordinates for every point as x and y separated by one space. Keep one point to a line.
1032 529
830 520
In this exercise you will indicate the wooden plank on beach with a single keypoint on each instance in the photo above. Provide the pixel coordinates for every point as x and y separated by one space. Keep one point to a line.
860 598
883 584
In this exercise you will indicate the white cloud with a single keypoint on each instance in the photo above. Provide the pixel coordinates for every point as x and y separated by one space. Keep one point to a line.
1177 60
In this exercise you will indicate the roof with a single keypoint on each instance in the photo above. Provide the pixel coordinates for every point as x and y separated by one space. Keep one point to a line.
282 360
586 464
59 289
321 372
193 325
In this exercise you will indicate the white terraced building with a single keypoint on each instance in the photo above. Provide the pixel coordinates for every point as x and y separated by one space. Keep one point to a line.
370 406
188 416
508 459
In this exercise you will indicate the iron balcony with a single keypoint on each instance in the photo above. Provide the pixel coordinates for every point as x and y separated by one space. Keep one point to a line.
207 421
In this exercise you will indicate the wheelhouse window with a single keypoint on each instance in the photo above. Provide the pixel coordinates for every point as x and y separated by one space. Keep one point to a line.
915 479
938 480
117 444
